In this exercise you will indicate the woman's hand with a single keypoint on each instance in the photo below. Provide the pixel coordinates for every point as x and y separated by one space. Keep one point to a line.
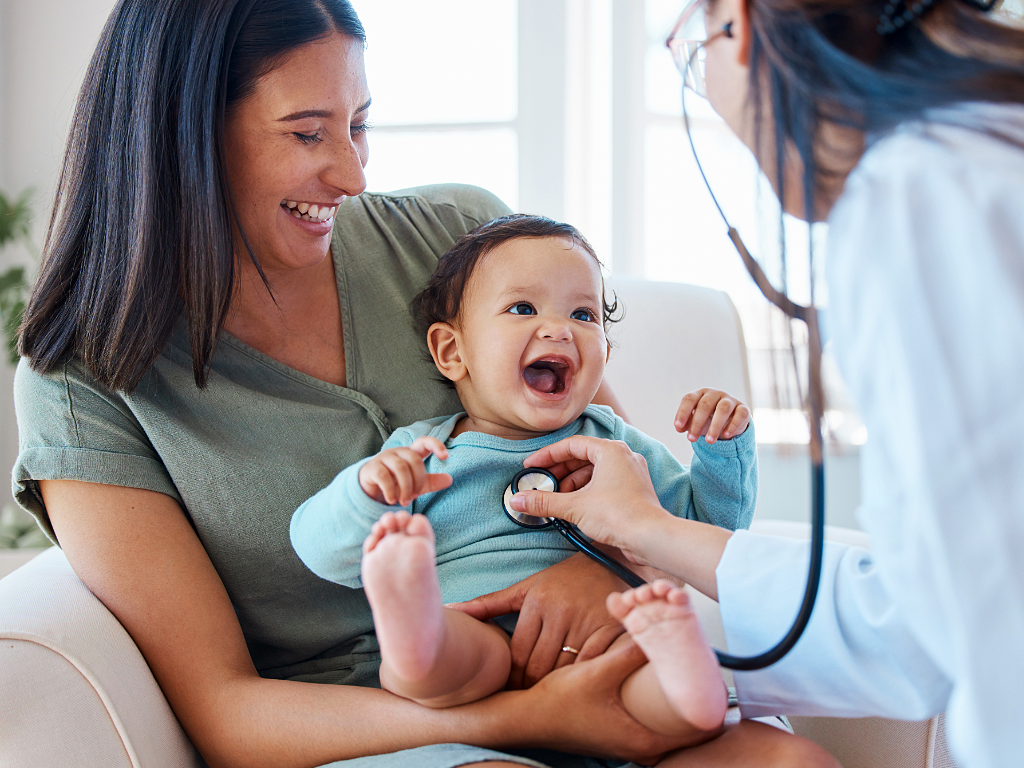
713 414
609 494
578 709
563 605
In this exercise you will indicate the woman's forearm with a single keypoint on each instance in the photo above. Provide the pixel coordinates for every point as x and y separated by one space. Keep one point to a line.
687 549
286 724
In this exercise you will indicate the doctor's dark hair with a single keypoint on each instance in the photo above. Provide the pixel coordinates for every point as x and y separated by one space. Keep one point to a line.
142 230
821 63
441 300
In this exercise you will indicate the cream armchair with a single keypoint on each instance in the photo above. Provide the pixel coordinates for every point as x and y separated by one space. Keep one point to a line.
76 692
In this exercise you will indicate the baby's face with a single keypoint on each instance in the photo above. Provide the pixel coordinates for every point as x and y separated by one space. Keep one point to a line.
531 335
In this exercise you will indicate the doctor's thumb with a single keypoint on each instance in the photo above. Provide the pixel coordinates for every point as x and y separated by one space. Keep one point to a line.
540 504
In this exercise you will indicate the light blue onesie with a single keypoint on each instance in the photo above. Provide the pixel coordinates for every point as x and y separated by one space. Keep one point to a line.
479 550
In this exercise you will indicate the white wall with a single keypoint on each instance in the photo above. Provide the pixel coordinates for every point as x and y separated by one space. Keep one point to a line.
45 47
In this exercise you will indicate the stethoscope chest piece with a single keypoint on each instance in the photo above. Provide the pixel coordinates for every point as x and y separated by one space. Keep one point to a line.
529 480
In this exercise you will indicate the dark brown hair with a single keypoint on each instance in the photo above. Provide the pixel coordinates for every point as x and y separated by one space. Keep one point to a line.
141 231
820 62
441 300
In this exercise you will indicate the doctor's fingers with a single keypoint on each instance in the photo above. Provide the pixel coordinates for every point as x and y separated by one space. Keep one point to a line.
576 480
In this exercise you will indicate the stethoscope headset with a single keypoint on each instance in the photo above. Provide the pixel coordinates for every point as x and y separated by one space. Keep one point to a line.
539 479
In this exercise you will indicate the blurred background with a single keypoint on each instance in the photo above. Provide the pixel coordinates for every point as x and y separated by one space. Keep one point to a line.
568 108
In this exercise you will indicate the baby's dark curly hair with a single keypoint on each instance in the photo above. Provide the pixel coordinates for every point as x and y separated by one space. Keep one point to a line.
441 300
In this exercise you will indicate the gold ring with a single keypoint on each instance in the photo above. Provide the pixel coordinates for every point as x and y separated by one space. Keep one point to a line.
570 649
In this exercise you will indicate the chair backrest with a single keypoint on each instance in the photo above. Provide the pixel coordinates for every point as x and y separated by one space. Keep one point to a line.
674 338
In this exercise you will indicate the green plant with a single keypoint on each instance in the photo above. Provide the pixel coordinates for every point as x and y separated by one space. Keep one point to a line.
14 226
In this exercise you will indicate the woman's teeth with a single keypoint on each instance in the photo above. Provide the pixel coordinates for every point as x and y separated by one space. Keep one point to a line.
308 212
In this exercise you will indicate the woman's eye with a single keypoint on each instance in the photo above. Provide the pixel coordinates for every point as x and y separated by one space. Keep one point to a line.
363 127
522 308
308 138
583 315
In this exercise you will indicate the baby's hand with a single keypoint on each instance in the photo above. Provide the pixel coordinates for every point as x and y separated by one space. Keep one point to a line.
712 413
397 476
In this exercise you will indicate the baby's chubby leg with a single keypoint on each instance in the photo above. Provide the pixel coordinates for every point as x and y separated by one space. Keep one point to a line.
429 653
681 691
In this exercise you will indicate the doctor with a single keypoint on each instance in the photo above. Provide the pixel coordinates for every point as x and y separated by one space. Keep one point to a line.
903 125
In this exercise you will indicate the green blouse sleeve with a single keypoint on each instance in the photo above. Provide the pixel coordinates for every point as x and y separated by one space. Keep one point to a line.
70 427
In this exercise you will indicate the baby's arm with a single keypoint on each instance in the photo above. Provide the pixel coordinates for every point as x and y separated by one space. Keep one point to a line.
720 485
328 530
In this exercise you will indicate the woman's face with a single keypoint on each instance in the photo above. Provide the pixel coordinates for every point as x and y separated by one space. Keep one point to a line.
726 72
299 141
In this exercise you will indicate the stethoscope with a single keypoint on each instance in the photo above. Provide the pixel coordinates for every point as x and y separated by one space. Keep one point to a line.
542 480
539 479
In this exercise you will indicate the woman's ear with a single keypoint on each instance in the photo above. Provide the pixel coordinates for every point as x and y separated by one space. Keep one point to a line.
734 17
443 343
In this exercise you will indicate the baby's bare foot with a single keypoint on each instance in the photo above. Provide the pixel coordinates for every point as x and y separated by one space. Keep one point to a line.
400 578
659 617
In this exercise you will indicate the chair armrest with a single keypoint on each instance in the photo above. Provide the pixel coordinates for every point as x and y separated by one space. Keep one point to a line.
77 692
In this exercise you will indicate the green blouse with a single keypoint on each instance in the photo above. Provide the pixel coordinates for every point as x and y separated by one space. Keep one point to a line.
261 438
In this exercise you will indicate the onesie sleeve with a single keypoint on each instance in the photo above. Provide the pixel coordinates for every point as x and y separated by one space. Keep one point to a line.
720 485
72 428
328 529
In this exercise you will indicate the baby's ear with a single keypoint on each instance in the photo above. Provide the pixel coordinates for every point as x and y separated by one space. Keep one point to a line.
443 342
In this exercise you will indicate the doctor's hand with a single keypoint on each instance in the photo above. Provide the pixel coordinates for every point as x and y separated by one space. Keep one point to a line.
713 414
397 476
561 606
607 491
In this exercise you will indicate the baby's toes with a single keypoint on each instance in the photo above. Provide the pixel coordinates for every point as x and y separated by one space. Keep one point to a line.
418 525
619 604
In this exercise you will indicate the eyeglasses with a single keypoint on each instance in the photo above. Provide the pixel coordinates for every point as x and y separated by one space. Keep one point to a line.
687 41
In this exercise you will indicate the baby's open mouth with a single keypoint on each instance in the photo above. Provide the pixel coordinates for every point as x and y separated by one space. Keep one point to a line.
547 376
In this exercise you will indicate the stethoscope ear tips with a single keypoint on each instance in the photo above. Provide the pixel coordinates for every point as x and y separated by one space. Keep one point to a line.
529 480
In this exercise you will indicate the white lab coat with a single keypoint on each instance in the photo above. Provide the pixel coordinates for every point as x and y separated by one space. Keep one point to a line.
926 286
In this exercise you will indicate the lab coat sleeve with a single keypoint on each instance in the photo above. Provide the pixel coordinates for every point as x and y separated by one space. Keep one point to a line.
856 658
328 529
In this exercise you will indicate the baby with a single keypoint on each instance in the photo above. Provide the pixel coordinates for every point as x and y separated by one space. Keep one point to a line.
515 316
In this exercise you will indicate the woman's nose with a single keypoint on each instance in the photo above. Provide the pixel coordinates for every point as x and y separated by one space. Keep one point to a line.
344 170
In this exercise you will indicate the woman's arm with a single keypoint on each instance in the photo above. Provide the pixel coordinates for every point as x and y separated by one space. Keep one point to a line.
155 577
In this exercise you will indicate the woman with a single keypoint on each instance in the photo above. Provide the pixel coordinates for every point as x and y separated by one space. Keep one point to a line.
904 125
220 324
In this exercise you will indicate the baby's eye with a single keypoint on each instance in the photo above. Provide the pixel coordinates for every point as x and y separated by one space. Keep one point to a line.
584 316
522 308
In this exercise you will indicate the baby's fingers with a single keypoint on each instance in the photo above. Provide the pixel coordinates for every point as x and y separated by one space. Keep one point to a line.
406 467
739 422
378 483
700 422
426 445
685 410
436 482
720 418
